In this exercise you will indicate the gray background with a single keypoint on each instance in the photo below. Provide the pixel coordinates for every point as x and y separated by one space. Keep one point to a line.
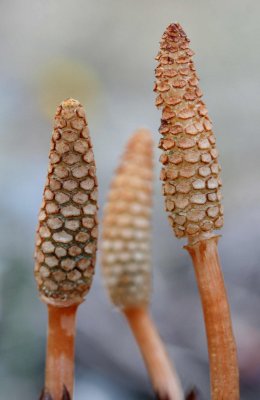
102 52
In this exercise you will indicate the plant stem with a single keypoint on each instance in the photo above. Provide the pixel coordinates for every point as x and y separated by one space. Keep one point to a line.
163 377
60 351
221 343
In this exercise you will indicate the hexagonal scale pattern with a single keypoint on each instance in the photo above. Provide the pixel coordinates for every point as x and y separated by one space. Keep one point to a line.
190 173
65 243
126 247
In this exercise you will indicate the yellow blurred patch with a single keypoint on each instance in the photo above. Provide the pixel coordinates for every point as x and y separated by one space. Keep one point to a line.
63 78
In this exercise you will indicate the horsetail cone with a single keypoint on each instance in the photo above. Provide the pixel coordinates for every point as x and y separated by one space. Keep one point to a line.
190 173
126 260
66 238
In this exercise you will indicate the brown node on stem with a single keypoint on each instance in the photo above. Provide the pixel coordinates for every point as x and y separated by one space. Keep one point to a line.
66 238
192 395
65 395
46 396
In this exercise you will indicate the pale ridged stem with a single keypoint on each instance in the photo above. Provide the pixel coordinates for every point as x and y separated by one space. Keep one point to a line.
163 375
221 342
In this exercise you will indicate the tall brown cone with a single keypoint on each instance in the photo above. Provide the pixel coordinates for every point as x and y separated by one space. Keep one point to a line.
190 173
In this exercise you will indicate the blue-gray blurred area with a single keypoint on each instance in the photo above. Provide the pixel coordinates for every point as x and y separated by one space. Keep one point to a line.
102 52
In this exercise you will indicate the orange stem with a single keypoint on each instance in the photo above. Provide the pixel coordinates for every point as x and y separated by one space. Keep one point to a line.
164 379
221 343
60 351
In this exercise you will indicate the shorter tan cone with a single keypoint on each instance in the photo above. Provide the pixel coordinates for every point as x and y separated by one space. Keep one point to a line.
126 247
66 238
66 242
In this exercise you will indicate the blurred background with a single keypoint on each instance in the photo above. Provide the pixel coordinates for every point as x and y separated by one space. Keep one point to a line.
102 53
